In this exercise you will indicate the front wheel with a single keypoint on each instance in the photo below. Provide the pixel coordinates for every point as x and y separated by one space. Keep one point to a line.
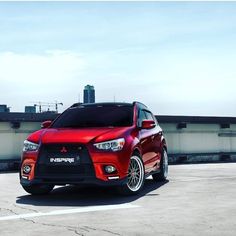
135 177
162 175
38 189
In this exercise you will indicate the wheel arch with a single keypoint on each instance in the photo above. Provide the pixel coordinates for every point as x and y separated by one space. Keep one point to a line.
164 144
136 151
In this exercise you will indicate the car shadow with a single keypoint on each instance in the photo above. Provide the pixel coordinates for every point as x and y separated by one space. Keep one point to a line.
88 196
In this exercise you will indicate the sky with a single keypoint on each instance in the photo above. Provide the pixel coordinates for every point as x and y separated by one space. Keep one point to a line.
178 58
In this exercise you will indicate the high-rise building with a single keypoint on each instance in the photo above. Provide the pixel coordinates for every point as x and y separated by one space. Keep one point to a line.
89 94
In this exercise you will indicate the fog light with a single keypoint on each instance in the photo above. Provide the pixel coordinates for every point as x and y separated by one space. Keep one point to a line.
110 169
26 169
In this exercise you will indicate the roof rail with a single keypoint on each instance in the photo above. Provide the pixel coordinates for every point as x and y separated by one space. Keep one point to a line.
99 104
139 103
76 104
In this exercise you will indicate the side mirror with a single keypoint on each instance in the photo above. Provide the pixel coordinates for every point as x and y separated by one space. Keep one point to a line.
46 124
148 124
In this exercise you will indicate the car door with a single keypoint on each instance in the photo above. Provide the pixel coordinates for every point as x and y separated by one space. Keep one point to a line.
156 147
146 141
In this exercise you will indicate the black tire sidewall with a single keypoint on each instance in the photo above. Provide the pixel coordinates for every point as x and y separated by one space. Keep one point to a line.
160 176
38 189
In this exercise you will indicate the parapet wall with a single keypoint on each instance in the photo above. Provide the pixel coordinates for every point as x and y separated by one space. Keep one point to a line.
189 139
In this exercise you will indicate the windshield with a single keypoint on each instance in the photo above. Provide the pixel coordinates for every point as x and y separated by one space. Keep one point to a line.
95 116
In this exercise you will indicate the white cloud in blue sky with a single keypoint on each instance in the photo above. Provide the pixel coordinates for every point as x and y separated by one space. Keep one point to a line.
176 57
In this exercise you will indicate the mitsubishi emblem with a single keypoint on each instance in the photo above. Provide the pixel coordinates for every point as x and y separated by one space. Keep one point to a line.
63 150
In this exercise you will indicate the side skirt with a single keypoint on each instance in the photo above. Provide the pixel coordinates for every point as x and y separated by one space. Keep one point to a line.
151 173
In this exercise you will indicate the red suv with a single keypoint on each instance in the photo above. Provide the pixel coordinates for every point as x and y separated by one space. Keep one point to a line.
111 144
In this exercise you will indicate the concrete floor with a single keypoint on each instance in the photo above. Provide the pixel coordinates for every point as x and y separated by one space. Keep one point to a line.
197 200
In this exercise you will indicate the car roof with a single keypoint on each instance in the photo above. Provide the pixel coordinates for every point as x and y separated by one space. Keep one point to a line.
139 104
102 104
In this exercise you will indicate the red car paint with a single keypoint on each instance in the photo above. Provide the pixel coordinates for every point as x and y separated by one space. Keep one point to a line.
148 142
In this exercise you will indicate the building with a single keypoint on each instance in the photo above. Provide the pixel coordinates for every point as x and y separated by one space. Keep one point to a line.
89 94
30 109
4 108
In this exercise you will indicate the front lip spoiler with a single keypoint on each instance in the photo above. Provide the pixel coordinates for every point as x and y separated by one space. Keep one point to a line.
75 181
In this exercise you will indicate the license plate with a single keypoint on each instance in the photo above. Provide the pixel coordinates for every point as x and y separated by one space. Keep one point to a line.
62 160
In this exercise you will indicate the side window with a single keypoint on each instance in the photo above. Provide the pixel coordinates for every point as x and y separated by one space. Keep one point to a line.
141 117
149 115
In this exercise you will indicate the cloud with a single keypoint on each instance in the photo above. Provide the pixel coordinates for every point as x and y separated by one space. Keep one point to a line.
27 77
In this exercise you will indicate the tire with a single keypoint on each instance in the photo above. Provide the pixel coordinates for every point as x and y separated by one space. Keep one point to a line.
38 189
136 177
162 175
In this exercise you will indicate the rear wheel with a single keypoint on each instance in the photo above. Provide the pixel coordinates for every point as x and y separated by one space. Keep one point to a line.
38 189
162 175
135 177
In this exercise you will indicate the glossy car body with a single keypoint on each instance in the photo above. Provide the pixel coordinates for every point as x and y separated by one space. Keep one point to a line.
77 155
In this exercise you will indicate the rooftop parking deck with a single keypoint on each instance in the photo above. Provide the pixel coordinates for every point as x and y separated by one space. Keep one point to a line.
197 200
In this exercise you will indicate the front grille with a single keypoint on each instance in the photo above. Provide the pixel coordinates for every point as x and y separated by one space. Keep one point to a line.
82 168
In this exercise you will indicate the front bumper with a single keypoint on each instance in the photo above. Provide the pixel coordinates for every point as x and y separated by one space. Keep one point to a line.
73 181
89 170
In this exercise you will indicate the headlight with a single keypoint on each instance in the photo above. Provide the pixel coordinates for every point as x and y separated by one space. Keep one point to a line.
29 146
113 145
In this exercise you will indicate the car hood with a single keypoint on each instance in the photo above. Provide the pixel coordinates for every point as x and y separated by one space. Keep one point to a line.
82 135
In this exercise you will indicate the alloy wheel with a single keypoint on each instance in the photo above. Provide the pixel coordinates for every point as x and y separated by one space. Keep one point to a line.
135 174
165 164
